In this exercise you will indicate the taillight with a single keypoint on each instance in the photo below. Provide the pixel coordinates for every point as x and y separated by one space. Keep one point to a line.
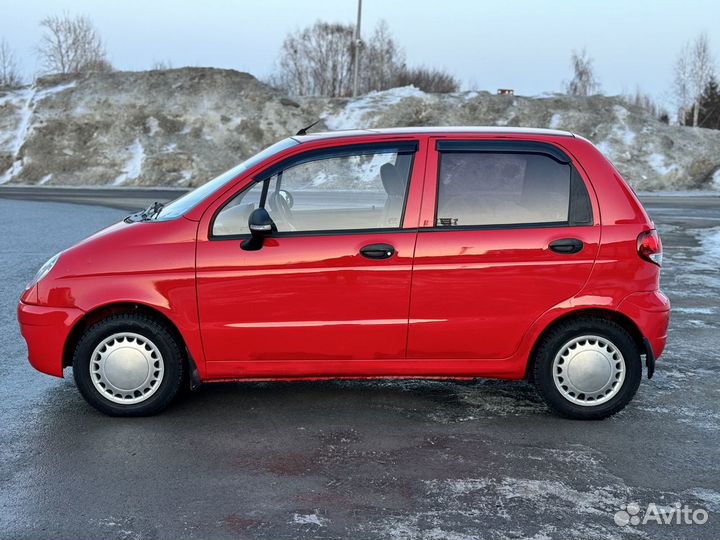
649 247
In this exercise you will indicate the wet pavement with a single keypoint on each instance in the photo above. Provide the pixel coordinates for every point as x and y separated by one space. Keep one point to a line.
363 459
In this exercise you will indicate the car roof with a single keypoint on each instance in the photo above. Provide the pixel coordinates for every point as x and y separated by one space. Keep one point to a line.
439 130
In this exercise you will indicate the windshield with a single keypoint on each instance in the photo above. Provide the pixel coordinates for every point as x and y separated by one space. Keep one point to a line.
188 201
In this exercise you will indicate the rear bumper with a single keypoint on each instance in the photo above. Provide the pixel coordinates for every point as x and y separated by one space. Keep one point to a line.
46 330
651 313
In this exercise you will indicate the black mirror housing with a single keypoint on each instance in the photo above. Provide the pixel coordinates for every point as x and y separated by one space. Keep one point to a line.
261 225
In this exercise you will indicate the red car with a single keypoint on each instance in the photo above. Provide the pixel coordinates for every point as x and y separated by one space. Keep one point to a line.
439 253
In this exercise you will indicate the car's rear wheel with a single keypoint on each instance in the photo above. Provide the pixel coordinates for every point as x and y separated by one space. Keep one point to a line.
128 365
587 368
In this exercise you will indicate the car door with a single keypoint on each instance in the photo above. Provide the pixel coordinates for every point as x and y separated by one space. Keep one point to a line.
508 230
328 293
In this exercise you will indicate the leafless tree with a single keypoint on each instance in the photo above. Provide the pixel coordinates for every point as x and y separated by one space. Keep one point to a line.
682 82
702 71
642 100
428 79
317 61
9 74
382 61
584 81
162 65
384 67
694 69
71 45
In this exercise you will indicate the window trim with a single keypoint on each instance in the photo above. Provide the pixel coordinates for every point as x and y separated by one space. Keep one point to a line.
502 147
454 146
337 152
400 147
578 186
329 232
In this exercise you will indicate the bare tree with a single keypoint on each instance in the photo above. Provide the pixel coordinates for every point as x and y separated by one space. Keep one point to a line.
428 79
71 45
161 65
682 83
584 81
9 74
694 69
383 60
702 71
642 100
317 61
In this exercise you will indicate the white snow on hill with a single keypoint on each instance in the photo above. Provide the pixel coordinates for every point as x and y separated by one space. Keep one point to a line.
183 126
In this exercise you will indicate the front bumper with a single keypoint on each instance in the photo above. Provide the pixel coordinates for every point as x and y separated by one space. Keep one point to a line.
46 330
651 313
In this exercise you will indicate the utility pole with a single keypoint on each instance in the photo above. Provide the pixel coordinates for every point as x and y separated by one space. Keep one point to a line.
357 42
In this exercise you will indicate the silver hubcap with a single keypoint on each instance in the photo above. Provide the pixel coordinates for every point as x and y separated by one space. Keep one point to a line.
589 370
126 368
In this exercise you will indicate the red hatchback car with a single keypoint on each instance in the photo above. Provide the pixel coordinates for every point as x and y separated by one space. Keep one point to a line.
401 253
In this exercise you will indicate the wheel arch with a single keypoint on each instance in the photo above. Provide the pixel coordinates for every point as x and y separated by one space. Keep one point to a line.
101 312
601 313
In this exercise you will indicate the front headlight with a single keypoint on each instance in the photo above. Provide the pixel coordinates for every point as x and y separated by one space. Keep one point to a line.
44 270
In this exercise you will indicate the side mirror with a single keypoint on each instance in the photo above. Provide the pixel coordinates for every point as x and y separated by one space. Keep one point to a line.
261 225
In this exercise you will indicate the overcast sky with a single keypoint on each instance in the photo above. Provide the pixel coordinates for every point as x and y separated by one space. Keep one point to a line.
520 44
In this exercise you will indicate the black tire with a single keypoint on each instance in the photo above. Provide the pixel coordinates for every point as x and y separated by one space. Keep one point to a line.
564 333
150 329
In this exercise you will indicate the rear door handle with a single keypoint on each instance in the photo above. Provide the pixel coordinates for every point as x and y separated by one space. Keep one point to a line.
377 251
567 246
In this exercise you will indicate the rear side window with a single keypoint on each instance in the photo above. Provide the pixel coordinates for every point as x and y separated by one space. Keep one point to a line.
509 188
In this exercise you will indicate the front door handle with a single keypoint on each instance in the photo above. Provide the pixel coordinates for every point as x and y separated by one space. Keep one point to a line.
377 251
567 246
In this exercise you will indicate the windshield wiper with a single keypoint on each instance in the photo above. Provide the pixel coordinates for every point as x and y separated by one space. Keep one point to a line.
153 210
149 213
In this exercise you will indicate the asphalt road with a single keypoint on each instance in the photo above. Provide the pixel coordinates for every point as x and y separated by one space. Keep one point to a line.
362 459
113 197
138 198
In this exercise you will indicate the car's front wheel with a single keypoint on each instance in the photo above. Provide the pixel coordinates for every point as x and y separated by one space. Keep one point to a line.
128 365
587 368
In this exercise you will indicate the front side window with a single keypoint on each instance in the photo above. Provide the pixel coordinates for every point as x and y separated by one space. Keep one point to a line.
341 192
487 188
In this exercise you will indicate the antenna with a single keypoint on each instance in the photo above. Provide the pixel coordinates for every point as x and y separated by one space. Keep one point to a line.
304 130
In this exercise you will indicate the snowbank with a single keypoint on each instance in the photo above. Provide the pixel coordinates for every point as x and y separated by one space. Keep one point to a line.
182 127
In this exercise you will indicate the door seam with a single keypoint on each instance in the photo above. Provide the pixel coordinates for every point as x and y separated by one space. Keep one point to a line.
426 142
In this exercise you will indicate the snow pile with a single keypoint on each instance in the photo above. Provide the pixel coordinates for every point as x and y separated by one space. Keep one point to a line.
353 115
649 154
182 127
133 166
555 121
177 127
657 162
15 138
24 101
